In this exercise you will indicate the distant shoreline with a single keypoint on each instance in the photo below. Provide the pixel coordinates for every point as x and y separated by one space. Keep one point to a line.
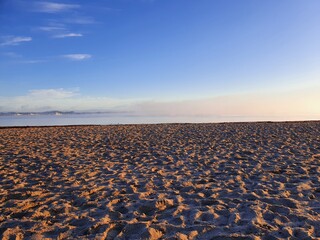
55 113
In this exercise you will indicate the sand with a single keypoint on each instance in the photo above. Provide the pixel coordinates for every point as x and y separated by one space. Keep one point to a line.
167 181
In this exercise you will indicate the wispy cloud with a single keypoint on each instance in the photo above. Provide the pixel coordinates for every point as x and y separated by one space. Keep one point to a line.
58 99
16 58
14 40
67 35
52 93
31 61
58 30
77 57
11 55
51 28
80 20
53 7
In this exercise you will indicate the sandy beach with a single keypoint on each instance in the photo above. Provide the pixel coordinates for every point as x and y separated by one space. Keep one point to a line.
165 181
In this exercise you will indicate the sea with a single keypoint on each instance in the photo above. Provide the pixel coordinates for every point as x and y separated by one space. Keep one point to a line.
115 119
96 119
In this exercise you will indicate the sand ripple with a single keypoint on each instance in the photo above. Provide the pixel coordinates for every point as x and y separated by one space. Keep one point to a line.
171 181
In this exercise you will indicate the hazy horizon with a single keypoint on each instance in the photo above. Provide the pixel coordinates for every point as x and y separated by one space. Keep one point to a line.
180 58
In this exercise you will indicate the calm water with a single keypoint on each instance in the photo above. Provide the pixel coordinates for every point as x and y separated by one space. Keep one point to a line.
104 119
99 119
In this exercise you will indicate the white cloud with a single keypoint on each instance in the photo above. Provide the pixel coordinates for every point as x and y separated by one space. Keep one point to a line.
52 93
31 61
67 35
59 99
77 57
51 28
58 30
38 100
14 40
53 7
80 20
290 105
19 59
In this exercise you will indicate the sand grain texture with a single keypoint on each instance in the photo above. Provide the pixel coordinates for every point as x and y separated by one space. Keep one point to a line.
170 181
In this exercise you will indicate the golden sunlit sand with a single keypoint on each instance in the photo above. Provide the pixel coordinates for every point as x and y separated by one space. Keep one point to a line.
167 181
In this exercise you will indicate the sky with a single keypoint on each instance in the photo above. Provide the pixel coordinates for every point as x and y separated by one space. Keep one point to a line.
257 59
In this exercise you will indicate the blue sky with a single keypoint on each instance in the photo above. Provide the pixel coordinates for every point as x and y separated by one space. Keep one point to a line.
162 57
